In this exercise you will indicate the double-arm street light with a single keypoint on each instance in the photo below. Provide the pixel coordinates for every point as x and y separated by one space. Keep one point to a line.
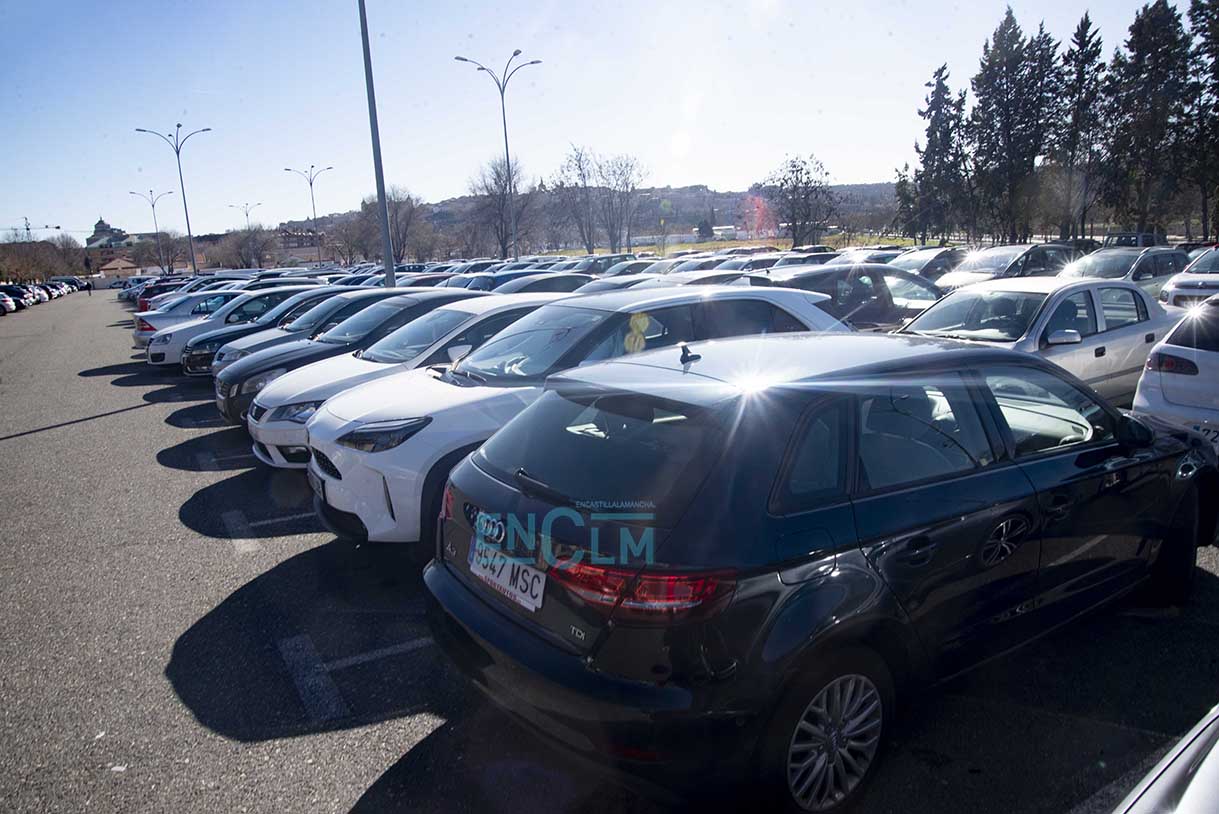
152 201
501 84
311 176
176 142
246 208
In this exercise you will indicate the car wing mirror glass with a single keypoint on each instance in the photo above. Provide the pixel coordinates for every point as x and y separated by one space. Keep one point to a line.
1134 434
457 351
1064 337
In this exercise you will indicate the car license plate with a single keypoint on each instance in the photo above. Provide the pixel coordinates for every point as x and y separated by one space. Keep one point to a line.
316 483
523 584
1209 433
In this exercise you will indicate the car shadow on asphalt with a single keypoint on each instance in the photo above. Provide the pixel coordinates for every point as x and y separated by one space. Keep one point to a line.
219 451
284 504
195 417
180 391
122 369
262 664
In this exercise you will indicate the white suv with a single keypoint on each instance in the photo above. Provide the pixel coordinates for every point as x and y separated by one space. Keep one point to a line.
276 419
381 452
1180 382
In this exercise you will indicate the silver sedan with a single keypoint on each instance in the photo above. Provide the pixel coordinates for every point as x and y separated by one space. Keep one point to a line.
1099 330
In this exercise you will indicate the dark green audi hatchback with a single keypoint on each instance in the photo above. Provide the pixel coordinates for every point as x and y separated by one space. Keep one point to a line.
749 550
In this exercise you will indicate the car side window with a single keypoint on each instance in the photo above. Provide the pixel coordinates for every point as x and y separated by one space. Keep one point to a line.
1120 307
1045 412
913 431
645 330
477 334
1056 259
1075 313
908 292
728 317
816 472
1033 263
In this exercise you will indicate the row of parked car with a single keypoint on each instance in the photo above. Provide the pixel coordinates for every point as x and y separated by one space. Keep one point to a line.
20 296
679 521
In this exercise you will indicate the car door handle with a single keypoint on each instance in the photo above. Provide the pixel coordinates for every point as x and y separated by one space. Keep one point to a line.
1100 351
919 550
1059 506
1149 338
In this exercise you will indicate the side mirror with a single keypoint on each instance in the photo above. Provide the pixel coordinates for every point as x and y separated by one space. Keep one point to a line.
1142 275
1064 337
457 351
1134 434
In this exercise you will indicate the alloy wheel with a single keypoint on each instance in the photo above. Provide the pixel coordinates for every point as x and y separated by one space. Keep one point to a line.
834 743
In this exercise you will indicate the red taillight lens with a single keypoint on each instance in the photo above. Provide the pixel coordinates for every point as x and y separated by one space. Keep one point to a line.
649 598
142 305
1167 363
446 505
143 325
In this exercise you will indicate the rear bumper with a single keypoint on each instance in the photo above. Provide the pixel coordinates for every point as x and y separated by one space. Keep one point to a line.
664 734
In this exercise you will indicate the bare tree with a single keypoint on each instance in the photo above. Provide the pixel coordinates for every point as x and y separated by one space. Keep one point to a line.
404 210
575 187
246 248
492 190
349 237
619 178
70 250
801 198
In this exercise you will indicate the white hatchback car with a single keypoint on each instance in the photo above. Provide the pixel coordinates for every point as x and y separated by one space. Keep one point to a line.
1100 330
165 347
1180 383
381 452
1197 283
276 419
175 310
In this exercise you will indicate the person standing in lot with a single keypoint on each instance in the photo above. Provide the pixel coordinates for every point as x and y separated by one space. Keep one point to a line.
89 287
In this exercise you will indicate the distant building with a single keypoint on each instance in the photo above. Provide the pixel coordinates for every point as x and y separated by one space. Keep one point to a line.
107 244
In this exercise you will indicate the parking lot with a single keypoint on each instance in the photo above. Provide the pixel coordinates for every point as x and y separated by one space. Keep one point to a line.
178 631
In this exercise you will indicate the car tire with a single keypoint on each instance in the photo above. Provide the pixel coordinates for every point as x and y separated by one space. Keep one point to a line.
1175 570
429 504
856 677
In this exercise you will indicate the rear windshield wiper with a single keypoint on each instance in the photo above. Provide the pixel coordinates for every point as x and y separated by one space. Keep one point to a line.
532 486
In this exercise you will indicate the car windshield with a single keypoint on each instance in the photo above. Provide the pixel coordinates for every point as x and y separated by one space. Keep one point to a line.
411 339
991 260
988 316
649 452
1110 265
1207 263
529 348
316 315
360 325
914 261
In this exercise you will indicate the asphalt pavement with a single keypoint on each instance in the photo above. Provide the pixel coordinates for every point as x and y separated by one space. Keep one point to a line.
178 633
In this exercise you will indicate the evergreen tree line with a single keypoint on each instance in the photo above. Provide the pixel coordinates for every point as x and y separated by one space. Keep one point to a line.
1049 140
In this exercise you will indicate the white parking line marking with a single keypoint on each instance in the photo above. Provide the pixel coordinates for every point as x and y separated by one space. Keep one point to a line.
268 521
316 689
238 529
373 655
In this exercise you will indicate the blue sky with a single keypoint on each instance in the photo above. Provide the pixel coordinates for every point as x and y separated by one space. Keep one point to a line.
702 92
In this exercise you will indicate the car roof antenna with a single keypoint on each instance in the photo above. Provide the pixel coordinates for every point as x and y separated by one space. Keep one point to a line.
686 356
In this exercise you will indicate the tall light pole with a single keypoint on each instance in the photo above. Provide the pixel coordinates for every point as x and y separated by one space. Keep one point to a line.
152 201
246 208
176 142
502 86
311 176
382 209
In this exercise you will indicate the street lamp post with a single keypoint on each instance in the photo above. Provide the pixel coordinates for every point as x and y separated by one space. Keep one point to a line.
375 133
176 142
502 86
152 201
311 176
246 208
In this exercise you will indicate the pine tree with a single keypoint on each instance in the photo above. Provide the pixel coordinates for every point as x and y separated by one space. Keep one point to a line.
1076 142
937 181
1202 156
1146 91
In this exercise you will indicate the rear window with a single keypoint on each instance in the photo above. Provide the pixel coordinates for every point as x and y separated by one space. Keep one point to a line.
648 455
1199 330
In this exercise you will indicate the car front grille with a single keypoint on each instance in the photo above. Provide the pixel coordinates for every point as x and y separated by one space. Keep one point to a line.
257 411
326 465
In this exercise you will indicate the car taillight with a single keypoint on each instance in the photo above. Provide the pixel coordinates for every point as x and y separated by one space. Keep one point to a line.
446 505
647 598
143 325
1167 363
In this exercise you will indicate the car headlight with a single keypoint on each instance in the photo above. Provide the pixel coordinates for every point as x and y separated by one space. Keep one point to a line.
382 435
162 339
205 347
262 380
297 413
1164 294
231 355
